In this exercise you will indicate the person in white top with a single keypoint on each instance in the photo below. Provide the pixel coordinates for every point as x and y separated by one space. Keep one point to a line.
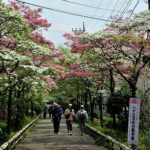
69 115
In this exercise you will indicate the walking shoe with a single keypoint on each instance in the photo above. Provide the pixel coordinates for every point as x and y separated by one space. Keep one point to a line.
56 133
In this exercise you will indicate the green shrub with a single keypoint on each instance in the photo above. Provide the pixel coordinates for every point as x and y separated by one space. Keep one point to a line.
108 122
119 135
27 119
38 109
144 140
103 142
3 134
3 124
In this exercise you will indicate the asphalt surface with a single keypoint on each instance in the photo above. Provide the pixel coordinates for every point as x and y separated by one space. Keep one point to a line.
42 137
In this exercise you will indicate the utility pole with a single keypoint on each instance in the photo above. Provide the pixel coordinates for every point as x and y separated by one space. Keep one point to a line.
76 31
148 4
147 1
146 59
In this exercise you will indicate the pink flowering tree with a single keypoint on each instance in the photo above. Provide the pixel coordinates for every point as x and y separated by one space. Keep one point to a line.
20 66
32 16
80 68
121 48
36 22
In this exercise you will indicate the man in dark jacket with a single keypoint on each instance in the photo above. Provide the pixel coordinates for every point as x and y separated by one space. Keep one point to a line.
56 117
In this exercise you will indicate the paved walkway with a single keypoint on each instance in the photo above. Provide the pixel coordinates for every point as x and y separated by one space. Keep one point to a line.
43 138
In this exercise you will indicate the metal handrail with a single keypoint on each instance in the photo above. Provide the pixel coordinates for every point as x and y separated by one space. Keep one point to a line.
120 145
15 139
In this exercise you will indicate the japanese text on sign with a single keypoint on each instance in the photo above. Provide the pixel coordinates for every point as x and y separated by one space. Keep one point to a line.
133 120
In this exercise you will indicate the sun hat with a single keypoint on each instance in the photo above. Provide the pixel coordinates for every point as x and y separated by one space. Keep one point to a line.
82 106
55 104
70 105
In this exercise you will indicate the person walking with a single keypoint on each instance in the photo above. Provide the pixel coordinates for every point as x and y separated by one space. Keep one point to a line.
56 116
82 117
69 115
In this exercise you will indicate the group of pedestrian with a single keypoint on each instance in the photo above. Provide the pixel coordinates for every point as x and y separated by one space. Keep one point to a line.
81 117
56 111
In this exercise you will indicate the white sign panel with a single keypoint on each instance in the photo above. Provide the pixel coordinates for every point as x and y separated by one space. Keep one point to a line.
133 120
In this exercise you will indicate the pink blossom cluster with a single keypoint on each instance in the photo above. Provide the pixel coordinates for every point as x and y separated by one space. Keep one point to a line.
146 50
74 74
7 43
69 36
32 17
44 58
37 37
124 69
75 45
56 66
78 47
48 79
57 53
61 59
134 44
98 83
73 66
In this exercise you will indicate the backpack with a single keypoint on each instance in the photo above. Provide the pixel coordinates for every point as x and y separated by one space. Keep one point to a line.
82 116
59 111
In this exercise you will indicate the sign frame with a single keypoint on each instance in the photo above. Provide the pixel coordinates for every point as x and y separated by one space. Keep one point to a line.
133 120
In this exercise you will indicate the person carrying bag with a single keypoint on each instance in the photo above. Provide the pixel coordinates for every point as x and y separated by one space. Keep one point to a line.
82 117
69 115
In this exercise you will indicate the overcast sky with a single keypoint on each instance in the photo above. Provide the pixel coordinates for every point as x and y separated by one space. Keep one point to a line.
62 23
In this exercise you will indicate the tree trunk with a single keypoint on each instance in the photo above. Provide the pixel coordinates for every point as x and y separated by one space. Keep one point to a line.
77 98
27 108
9 110
18 106
133 90
92 111
101 109
32 114
85 100
91 105
112 87
114 120
112 82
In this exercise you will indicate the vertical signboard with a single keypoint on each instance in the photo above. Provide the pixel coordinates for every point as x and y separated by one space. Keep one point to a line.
133 120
